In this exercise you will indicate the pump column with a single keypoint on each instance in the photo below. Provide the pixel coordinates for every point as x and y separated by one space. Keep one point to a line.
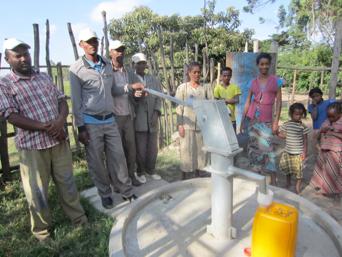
221 198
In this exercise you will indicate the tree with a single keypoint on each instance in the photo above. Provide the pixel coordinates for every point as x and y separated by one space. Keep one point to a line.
318 18
218 31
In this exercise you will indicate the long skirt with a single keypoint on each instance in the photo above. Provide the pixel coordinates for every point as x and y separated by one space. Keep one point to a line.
260 147
192 155
327 175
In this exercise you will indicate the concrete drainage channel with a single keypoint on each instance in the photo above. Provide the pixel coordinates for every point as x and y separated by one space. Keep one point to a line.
171 221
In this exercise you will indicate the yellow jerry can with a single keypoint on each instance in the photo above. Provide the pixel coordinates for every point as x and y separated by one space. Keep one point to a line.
274 231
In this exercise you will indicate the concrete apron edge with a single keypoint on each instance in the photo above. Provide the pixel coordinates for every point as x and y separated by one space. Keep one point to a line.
117 246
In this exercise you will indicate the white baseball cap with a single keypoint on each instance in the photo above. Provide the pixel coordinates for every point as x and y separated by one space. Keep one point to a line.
139 57
86 34
115 44
11 43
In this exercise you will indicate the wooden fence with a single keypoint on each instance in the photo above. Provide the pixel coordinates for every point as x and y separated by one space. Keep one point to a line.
166 125
170 75
167 121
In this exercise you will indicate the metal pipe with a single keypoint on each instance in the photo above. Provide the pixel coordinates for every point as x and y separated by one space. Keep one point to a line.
221 207
261 180
188 102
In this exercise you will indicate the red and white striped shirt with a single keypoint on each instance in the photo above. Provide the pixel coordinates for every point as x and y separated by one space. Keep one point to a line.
35 98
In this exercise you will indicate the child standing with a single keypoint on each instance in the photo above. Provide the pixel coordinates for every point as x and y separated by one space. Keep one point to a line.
296 145
228 92
318 107
327 175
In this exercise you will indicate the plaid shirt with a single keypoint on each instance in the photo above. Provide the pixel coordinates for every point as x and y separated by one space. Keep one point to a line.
35 98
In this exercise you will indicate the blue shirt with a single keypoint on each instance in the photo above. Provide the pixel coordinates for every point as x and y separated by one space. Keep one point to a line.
87 119
321 112
96 66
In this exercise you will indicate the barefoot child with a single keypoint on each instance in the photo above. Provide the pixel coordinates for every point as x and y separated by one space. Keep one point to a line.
296 142
327 175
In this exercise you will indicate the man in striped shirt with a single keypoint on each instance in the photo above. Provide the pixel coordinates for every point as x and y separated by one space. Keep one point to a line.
31 102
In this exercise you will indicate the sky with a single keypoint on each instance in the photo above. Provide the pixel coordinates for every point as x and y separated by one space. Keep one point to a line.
17 17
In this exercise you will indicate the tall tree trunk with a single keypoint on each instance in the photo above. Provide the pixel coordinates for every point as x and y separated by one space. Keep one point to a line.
335 59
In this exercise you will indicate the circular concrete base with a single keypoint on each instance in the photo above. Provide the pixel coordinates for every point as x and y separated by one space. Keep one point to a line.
171 221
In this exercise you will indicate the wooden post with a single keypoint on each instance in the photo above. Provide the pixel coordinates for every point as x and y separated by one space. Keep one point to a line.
152 65
60 83
274 47
246 47
322 79
218 73
161 133
185 75
212 70
186 52
75 135
47 49
165 123
196 52
5 164
171 120
204 65
336 58
294 86
36 46
161 47
102 46
173 86
73 43
256 46
105 33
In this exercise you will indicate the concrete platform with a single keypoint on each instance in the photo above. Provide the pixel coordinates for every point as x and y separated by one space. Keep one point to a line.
171 221
121 207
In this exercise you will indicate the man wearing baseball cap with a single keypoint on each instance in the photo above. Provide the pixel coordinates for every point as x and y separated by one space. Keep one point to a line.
92 87
124 108
33 104
147 110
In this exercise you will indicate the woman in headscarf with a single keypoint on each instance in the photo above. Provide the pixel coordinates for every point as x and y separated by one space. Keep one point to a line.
193 158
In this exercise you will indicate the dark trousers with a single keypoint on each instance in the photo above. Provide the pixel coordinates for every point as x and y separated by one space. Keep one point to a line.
106 160
127 132
147 151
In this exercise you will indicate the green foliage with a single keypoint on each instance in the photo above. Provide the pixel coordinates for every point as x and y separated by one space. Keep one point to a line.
216 30
304 22
315 56
305 19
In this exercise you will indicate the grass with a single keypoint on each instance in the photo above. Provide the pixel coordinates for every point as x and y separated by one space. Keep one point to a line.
168 165
16 239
